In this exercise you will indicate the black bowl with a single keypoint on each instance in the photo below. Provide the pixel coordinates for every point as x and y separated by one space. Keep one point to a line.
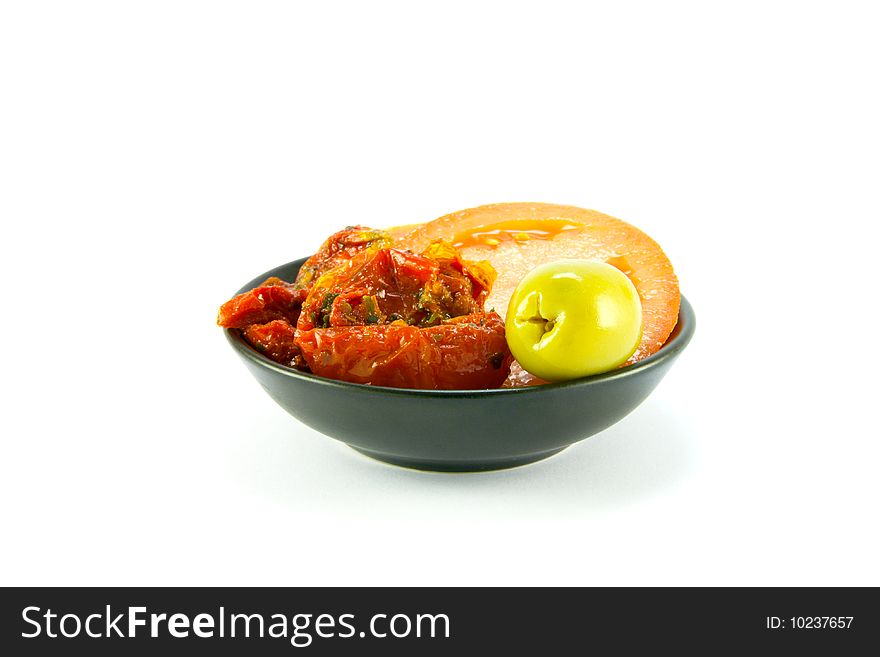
460 430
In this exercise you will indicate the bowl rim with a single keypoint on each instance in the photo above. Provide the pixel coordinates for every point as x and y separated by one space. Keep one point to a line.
681 336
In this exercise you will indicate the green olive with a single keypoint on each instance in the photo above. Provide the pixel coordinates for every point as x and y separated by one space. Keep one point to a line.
573 318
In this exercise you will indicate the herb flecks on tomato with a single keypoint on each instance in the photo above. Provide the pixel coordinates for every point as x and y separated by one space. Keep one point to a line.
338 249
386 285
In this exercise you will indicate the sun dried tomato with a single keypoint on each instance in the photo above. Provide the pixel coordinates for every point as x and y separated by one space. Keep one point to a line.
277 340
274 299
338 249
261 305
362 311
388 285
462 353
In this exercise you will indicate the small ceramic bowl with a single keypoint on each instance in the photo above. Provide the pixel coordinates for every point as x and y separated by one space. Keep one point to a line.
460 430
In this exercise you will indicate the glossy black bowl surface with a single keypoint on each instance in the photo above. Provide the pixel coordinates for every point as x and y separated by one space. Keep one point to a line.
460 430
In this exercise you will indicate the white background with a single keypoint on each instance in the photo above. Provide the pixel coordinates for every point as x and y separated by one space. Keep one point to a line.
155 156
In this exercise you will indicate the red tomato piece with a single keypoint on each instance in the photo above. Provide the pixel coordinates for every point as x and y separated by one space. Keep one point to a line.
277 340
338 249
364 312
464 353
262 305
387 285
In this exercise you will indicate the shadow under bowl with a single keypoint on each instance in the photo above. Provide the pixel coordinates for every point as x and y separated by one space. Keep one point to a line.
460 430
